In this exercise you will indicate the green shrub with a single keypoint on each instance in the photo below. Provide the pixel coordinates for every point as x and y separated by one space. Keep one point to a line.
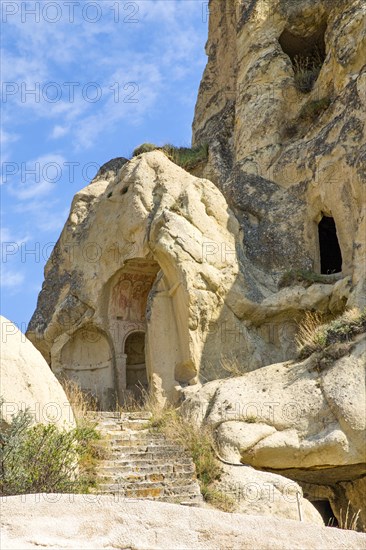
144 148
315 335
185 157
43 458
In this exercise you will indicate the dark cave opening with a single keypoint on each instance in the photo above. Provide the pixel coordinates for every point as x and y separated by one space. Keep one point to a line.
307 54
330 251
325 510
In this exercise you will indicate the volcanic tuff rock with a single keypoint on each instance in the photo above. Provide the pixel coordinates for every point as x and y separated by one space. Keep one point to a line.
300 420
155 249
285 155
98 521
163 279
26 381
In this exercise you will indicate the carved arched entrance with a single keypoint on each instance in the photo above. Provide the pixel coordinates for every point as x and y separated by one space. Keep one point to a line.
87 359
136 374
127 312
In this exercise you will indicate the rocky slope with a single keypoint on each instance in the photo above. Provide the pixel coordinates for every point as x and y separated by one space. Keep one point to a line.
95 521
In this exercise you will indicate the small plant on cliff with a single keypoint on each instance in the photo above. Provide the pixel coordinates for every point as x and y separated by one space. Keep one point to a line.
309 113
315 334
307 69
185 157
313 109
144 148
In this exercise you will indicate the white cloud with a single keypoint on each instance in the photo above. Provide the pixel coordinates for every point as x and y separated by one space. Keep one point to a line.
37 178
6 139
157 50
59 131
7 235
11 279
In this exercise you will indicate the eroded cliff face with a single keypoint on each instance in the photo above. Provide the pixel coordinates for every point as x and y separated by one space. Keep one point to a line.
165 279
282 106
150 284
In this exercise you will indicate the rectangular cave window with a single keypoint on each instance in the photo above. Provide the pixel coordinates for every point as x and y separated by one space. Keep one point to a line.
330 251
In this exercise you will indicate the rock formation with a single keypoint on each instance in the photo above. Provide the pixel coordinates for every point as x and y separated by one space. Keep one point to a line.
162 278
296 419
152 250
26 381
156 250
285 152
96 521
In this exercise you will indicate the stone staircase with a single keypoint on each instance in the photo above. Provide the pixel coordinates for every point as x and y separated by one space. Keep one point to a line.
143 465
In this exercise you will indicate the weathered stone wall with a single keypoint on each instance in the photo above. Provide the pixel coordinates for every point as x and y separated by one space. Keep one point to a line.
286 156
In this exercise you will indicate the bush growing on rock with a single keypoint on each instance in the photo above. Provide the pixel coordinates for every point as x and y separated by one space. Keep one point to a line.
144 148
44 458
315 334
307 69
185 157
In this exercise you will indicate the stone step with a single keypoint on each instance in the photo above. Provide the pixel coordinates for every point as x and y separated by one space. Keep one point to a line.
148 489
130 425
164 447
134 477
126 441
121 416
141 462
145 470
122 437
146 449
134 425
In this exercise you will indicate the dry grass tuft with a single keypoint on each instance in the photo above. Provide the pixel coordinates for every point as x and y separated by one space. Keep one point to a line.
81 402
308 333
232 366
307 69
316 332
349 521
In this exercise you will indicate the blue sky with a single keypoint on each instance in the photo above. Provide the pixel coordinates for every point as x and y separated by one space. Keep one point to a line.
83 82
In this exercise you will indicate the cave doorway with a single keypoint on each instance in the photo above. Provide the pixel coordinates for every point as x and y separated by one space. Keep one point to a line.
136 374
307 54
325 510
330 251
